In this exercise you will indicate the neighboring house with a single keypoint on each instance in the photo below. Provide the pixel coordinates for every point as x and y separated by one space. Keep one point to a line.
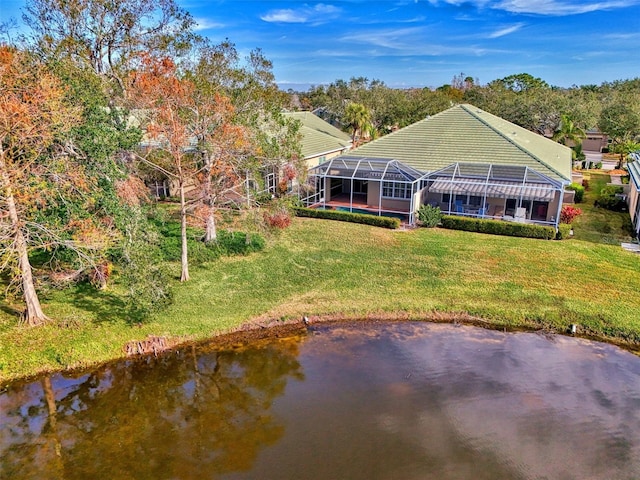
464 160
594 141
321 141
634 191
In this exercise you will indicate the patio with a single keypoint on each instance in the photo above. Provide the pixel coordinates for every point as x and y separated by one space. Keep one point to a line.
502 192
376 186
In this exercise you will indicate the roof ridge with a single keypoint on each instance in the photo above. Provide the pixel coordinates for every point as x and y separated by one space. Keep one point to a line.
465 106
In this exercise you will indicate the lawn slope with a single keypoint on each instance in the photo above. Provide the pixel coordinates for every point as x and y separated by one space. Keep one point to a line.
322 268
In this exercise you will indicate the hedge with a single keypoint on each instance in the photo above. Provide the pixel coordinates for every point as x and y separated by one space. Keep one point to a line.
564 230
498 227
385 222
579 189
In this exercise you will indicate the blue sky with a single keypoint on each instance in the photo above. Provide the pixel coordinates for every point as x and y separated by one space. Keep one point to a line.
426 42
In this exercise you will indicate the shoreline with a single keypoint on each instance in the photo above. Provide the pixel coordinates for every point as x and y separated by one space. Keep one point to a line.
261 329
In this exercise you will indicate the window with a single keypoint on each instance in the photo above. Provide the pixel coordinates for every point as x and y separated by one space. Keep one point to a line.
474 200
396 190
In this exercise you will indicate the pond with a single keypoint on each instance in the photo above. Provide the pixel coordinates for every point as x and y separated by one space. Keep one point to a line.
353 401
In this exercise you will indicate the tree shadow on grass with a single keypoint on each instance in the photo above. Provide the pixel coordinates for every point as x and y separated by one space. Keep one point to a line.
10 310
104 307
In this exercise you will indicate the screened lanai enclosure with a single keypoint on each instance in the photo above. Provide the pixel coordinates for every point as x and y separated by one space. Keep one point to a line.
378 186
504 192
383 186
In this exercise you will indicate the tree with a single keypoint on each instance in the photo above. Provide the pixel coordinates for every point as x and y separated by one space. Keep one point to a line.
357 117
568 133
224 148
520 82
106 35
624 149
165 99
47 201
270 139
621 123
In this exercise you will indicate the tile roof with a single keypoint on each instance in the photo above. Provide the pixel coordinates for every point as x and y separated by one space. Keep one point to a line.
465 133
318 136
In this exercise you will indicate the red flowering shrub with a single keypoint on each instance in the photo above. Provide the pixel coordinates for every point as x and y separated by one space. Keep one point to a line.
289 172
569 213
283 186
279 218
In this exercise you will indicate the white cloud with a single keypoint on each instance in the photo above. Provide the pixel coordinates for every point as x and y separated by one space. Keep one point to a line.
392 38
307 14
506 30
544 7
206 24
560 7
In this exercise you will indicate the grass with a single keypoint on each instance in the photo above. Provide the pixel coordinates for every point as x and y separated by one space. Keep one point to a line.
320 268
599 225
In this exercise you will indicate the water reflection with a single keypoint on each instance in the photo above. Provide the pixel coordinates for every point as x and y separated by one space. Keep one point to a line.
390 401
172 417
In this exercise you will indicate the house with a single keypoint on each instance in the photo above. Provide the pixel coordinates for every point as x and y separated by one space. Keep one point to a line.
464 160
633 198
320 141
595 141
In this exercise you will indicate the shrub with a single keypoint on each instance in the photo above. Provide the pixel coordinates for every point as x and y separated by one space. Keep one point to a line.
429 216
599 165
498 227
611 200
228 243
585 184
564 230
376 221
579 189
569 213
280 218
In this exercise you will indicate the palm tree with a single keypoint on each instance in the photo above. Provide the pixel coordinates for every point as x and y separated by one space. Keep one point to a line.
357 116
568 133
624 149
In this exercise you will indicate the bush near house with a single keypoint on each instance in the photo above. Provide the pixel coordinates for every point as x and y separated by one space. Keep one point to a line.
498 227
569 213
564 231
609 198
579 189
385 222
429 216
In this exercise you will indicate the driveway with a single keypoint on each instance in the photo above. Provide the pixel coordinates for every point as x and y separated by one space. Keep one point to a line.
596 157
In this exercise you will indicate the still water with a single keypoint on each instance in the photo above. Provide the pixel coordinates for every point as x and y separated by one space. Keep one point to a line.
384 401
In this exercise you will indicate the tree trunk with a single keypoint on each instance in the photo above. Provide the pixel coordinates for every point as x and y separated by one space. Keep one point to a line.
210 233
183 235
33 314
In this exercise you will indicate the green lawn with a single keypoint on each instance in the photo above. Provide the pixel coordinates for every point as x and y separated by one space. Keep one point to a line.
320 267
599 225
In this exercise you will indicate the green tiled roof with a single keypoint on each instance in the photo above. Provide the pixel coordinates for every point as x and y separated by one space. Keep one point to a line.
318 136
467 134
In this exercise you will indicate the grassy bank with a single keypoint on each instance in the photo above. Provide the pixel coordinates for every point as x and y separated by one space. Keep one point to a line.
320 267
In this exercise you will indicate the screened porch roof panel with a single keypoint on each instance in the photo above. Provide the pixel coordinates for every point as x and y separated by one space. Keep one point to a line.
480 188
367 168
